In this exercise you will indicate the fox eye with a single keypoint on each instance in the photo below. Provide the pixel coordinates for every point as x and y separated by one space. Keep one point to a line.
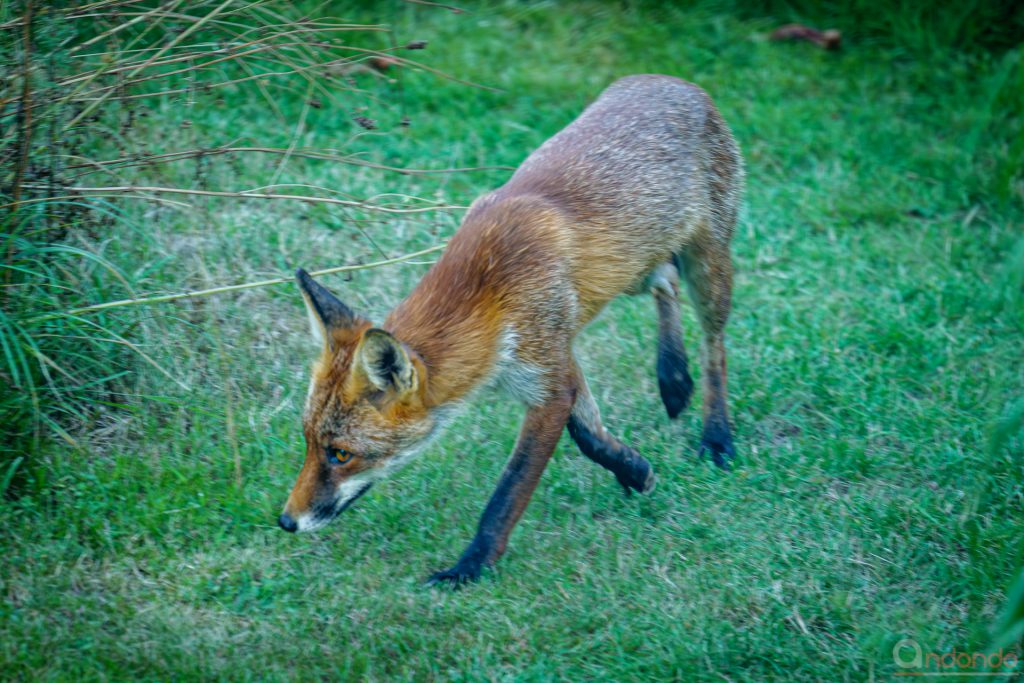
337 456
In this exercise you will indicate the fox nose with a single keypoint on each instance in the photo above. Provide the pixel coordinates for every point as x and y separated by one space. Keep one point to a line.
286 522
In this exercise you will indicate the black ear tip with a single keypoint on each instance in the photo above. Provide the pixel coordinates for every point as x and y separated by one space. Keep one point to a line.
304 279
331 311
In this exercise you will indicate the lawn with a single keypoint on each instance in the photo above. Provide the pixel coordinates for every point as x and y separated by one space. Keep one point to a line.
873 346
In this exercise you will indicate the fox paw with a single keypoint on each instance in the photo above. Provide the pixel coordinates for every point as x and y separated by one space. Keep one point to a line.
638 475
459 575
674 382
718 442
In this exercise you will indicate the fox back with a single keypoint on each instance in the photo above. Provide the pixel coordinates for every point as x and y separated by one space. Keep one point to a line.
643 170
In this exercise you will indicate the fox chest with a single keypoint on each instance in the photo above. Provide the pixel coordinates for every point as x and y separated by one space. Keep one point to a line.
525 381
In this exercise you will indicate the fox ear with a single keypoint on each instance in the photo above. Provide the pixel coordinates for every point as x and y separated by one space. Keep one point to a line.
326 311
386 363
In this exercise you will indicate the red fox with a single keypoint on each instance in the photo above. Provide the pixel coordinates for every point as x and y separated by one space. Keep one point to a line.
642 187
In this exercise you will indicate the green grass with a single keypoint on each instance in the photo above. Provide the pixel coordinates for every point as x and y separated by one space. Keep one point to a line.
872 349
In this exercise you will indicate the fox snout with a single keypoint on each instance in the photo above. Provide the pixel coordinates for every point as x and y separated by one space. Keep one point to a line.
288 523
324 510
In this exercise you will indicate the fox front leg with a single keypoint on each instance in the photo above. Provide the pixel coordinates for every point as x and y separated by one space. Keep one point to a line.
537 440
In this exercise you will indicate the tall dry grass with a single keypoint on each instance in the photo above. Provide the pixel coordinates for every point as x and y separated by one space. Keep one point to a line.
80 83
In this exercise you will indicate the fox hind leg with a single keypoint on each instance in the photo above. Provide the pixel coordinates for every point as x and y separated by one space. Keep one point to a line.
673 368
708 273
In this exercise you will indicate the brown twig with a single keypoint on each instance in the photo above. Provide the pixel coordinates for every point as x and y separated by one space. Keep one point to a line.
103 68
232 53
106 34
232 288
130 189
201 53
16 23
104 91
97 96
306 154
207 85
347 65
184 34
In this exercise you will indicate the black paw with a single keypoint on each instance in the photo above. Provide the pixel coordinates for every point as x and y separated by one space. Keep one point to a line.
459 575
674 382
718 441
636 473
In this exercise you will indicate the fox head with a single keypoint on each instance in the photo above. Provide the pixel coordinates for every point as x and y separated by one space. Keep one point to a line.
364 415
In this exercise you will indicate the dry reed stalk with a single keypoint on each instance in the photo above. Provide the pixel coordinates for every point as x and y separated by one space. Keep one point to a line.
324 155
164 298
128 189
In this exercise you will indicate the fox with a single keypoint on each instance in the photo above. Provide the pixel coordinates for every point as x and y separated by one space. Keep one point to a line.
640 193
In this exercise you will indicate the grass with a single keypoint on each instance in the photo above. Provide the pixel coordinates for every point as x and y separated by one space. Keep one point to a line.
872 349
